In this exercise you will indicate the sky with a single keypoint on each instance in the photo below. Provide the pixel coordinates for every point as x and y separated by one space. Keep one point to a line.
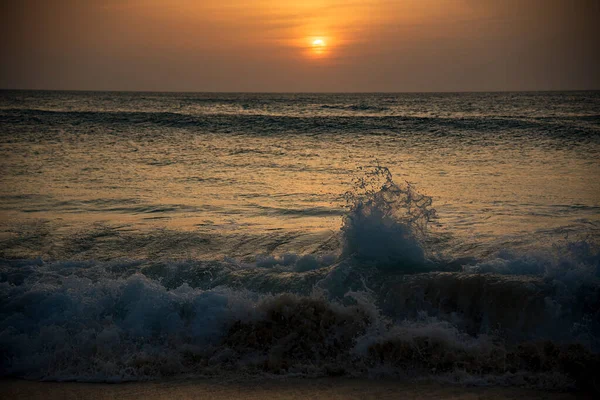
300 46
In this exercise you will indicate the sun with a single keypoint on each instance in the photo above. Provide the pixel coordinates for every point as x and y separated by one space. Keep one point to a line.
318 47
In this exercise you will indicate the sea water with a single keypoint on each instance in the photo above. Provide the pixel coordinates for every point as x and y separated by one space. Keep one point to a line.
453 236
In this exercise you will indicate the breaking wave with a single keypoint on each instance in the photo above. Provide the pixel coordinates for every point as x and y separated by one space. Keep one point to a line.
386 304
386 223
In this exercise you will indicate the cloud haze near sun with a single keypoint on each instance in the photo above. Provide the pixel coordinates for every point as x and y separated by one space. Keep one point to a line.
269 45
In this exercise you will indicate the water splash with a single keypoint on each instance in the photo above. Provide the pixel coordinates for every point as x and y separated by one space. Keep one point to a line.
387 222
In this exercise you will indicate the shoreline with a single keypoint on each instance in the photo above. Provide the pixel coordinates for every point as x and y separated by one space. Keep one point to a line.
285 389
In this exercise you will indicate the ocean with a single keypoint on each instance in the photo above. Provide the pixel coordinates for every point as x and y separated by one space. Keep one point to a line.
445 236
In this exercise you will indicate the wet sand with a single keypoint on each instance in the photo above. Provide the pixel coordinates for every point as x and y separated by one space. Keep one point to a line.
288 389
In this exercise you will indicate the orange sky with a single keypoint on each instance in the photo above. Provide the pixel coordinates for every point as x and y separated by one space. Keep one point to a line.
266 45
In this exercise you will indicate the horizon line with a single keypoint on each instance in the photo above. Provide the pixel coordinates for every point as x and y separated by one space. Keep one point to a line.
301 92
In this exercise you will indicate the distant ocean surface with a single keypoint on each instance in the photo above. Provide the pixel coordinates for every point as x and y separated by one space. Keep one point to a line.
445 236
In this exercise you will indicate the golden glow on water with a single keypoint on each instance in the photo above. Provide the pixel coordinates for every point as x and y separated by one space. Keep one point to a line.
235 184
284 161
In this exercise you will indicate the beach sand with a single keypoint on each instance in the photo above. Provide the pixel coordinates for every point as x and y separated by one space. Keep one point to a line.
330 388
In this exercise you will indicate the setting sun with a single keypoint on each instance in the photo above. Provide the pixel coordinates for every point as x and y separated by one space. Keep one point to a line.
318 47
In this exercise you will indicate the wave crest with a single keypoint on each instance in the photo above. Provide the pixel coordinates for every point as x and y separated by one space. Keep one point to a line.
386 223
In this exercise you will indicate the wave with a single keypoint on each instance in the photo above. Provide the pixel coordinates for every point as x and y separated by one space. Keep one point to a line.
300 212
71 327
386 223
386 304
355 107
299 124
